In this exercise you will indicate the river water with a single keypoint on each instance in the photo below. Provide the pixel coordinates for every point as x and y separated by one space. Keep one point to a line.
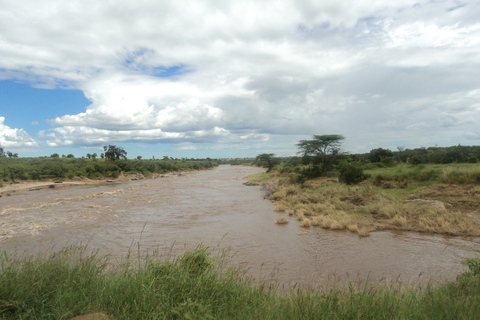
215 209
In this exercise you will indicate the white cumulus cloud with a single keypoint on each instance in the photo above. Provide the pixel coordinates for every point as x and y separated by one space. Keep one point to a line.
14 138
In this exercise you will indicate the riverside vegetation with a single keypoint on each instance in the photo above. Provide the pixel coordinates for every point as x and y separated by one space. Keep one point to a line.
410 190
16 169
73 282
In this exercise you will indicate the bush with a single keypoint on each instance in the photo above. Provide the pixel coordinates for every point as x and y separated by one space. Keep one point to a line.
309 172
350 172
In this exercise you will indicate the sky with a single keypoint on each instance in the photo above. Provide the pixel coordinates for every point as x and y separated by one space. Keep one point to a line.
225 79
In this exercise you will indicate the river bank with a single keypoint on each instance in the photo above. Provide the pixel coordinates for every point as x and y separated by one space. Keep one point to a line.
434 208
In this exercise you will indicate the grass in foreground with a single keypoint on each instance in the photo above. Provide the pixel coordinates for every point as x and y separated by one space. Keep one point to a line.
449 200
195 286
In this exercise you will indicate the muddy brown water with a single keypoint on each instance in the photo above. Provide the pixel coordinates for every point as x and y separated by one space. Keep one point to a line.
215 209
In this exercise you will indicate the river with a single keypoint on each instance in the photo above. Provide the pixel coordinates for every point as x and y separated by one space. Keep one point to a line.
215 209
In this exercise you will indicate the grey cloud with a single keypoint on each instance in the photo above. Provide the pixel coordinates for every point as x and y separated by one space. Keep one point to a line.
381 72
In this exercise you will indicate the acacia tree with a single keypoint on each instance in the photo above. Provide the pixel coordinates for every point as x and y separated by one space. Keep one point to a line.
321 151
266 160
114 153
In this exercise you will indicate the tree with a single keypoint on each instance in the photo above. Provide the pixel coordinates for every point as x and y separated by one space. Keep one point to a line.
266 160
321 151
114 153
54 155
70 156
2 153
377 155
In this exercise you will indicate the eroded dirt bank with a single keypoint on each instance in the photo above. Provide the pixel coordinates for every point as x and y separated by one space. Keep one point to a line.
214 208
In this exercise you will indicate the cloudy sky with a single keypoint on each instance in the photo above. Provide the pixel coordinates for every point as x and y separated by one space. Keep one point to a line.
236 78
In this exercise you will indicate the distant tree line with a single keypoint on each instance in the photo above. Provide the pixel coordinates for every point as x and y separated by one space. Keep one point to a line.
112 164
434 155
322 155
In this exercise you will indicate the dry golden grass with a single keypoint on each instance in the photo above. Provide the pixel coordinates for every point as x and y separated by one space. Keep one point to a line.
282 220
365 208
399 221
305 223
280 207
300 215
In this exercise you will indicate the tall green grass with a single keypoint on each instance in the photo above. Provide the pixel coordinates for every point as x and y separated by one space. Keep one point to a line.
196 286
439 173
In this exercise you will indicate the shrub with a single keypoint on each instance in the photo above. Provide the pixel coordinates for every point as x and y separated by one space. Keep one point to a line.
350 173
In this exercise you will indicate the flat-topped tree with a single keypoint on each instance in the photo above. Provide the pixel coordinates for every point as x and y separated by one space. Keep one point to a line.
321 150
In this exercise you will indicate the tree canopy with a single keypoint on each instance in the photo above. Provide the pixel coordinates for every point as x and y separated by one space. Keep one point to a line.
114 153
266 160
321 150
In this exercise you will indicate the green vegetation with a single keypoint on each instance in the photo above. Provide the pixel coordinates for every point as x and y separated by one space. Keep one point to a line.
320 154
15 169
197 286
266 160
114 153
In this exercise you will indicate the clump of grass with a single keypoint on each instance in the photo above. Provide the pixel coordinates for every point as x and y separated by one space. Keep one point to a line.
300 215
399 221
305 223
280 207
282 220
196 286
